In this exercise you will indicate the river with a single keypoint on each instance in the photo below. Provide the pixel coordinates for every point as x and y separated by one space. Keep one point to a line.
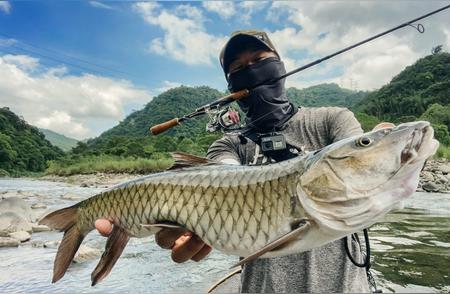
410 252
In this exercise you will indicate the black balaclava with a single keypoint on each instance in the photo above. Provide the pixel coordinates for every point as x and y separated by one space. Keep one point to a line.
267 107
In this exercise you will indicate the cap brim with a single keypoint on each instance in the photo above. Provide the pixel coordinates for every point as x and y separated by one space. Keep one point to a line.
236 43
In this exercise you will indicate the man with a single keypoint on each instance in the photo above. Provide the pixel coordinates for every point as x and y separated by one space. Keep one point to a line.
248 59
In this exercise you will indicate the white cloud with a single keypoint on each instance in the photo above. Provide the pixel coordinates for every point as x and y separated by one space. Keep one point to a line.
24 62
167 85
185 38
7 42
316 29
98 4
61 102
5 6
58 121
225 9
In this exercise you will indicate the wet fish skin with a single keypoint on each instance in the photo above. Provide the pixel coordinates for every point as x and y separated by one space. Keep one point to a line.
239 210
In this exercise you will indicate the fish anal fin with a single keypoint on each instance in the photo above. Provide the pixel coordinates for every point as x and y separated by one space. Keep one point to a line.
183 160
277 244
66 251
113 249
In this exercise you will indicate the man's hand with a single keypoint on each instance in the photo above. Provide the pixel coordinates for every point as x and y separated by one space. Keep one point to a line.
184 244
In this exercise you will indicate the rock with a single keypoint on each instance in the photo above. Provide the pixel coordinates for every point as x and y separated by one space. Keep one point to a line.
37 243
9 242
18 206
9 194
40 228
427 176
84 185
431 187
440 179
11 222
445 168
85 253
71 196
38 206
22 236
52 244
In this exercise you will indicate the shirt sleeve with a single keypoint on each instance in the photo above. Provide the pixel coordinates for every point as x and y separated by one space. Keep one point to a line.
224 150
343 124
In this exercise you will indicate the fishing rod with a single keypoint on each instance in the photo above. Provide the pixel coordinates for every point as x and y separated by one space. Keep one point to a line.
216 106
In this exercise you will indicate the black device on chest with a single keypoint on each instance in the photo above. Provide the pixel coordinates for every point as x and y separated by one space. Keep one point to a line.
272 142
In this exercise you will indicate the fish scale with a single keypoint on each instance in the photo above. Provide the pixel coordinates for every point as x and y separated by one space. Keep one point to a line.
215 213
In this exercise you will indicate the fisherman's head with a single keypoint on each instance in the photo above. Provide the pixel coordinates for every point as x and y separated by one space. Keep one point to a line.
247 59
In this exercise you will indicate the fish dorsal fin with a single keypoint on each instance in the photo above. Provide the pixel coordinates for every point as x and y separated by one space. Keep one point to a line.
277 244
183 160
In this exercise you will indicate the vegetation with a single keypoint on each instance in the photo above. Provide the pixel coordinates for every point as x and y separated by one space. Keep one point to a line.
443 152
325 95
107 164
412 92
23 148
58 140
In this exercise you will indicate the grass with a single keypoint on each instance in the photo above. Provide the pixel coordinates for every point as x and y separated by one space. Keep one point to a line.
443 152
107 164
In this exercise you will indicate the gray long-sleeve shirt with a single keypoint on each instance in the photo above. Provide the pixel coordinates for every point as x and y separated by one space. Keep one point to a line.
325 269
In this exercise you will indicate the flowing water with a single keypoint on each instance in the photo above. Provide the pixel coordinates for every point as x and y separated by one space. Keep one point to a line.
410 249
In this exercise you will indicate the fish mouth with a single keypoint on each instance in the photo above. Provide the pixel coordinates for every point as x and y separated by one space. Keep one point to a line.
420 144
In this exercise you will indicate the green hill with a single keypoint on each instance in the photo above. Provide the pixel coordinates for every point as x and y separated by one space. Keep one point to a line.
420 92
412 91
325 95
133 132
61 141
23 148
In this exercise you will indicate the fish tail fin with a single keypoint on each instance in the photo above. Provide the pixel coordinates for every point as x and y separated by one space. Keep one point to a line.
113 249
64 220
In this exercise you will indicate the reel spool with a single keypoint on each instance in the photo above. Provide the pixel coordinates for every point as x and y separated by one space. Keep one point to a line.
224 120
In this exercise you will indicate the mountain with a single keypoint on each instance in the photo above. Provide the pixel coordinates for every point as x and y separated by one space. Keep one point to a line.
133 131
412 91
61 141
325 95
23 148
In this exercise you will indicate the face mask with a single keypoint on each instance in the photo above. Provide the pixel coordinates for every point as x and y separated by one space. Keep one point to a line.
267 107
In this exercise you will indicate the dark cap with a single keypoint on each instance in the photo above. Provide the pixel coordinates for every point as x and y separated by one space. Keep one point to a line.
241 40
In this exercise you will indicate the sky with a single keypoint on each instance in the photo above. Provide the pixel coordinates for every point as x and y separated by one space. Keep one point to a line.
80 67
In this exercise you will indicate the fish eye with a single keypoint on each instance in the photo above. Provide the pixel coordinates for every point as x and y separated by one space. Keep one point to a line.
364 141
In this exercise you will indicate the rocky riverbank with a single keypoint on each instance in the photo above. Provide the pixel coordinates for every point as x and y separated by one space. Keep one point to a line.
98 180
435 176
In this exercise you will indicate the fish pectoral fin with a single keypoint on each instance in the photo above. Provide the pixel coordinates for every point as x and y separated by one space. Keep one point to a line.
113 249
183 160
276 244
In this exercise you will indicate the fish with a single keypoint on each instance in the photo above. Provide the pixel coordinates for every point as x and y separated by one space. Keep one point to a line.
256 211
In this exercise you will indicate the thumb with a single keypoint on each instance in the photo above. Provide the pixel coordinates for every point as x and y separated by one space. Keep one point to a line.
104 227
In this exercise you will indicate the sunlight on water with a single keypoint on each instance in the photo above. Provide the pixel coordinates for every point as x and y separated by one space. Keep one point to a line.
410 250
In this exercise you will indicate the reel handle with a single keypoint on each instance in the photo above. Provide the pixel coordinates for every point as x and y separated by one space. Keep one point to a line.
162 127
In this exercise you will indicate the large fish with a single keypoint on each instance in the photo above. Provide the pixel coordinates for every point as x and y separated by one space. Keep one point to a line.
257 211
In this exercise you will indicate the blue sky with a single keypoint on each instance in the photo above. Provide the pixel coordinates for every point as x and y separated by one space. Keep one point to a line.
79 67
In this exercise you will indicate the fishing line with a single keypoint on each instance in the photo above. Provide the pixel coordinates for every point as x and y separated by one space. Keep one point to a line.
419 27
